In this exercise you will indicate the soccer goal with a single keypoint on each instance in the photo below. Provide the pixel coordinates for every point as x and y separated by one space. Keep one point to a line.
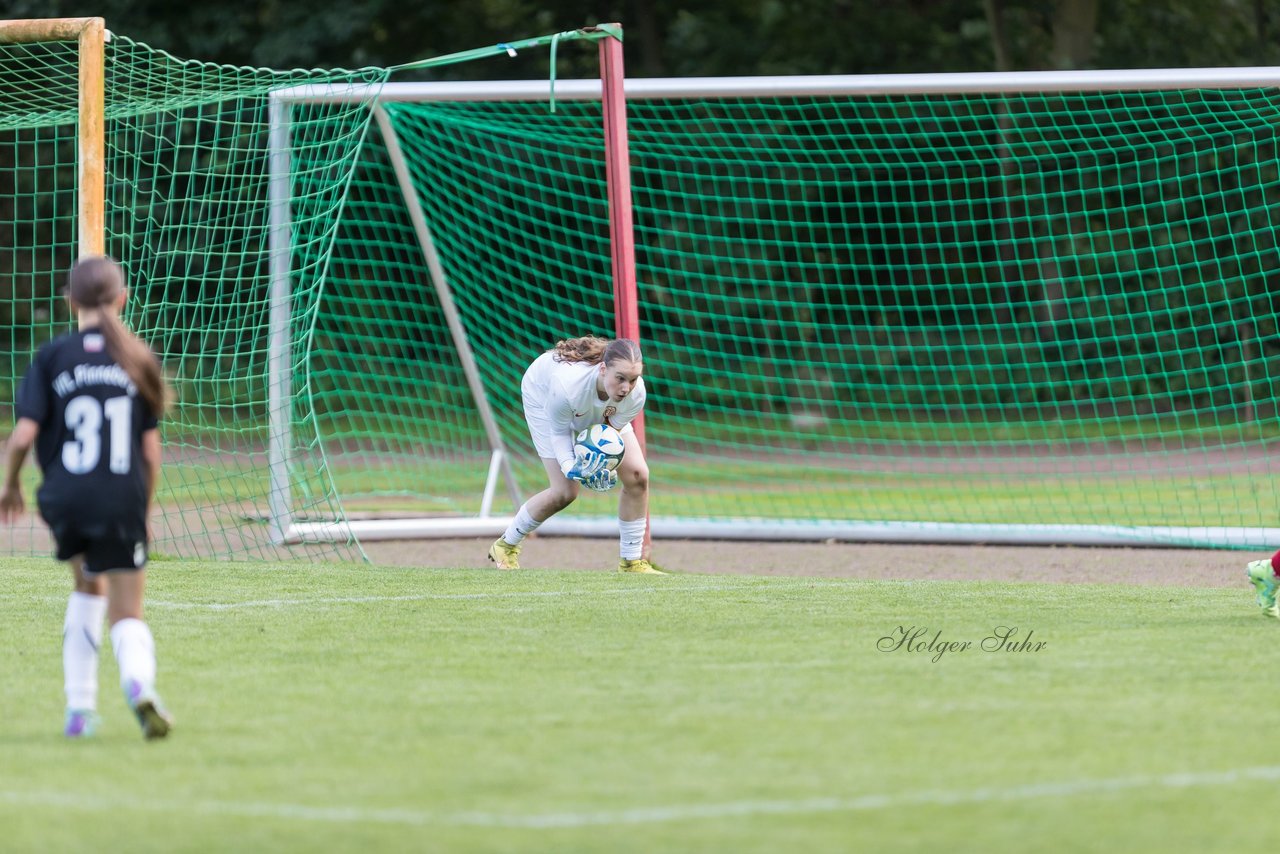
1025 308
401 375
1018 308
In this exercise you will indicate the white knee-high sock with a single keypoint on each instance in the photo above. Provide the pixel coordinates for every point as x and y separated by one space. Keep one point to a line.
135 653
521 526
631 538
81 638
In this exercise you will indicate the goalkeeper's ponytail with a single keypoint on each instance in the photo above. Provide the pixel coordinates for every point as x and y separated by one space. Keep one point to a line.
96 282
594 351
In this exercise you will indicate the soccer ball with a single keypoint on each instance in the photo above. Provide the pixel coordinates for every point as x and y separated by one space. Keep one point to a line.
601 439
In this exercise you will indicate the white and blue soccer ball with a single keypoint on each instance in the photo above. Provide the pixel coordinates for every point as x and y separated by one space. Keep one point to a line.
600 439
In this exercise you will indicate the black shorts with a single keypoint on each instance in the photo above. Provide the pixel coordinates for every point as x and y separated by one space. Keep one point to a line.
106 544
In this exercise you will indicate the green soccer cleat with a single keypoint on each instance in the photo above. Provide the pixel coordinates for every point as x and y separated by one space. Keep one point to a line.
504 555
151 714
1265 582
642 566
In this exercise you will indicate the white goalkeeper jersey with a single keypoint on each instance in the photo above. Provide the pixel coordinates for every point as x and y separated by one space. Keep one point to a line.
560 401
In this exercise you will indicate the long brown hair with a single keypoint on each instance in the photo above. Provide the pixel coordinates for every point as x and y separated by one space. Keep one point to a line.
593 350
97 281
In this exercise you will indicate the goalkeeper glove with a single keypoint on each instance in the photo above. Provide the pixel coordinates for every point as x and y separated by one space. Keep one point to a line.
589 470
602 481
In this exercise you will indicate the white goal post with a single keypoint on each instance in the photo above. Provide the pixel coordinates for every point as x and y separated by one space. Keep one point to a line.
286 529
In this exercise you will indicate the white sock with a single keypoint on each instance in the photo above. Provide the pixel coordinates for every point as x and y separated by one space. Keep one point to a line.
81 638
135 653
631 538
521 526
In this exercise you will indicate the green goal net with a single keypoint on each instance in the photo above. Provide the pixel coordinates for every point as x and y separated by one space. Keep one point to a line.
980 308
1018 316
188 213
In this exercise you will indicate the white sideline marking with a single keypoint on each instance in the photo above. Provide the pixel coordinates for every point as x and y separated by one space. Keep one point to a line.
645 815
419 597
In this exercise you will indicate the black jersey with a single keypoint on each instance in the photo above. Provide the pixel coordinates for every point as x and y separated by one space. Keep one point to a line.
91 421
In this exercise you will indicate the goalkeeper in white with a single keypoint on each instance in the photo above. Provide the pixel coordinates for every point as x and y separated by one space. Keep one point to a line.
578 383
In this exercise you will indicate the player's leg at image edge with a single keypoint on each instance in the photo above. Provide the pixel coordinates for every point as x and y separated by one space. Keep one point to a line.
1262 574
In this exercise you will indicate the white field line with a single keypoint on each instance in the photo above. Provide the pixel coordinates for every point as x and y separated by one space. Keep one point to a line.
426 597
643 815
421 597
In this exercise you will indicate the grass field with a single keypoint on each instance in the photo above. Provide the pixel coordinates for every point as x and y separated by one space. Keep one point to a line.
342 708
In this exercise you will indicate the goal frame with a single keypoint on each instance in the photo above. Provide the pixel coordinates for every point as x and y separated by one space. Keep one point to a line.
91 36
283 527
628 321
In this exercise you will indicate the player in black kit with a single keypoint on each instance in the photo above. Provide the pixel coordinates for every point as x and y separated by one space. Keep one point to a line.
89 404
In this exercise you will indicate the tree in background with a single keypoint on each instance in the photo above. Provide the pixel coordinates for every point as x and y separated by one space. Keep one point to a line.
702 37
